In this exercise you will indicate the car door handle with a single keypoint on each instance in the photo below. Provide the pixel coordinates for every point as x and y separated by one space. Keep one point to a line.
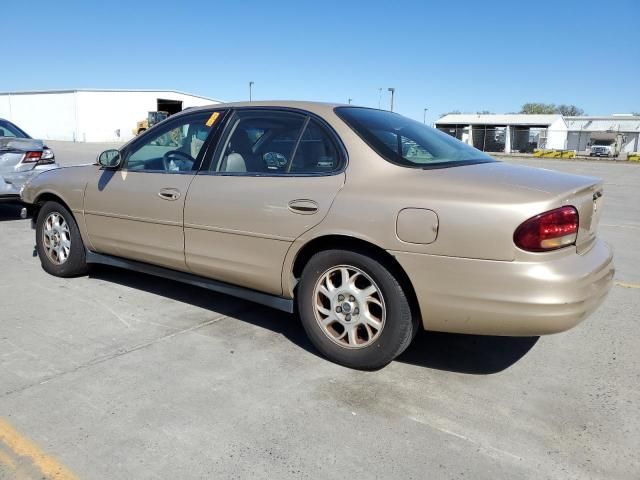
169 194
303 207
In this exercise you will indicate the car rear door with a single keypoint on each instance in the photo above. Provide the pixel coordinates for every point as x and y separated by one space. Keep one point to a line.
272 177
136 212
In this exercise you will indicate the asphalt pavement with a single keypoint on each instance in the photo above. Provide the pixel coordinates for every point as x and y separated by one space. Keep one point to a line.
121 375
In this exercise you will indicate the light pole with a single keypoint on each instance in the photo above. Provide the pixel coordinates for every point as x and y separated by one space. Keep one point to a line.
380 98
424 116
393 91
350 101
250 85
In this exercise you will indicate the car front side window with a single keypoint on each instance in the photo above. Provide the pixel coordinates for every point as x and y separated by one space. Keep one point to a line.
171 148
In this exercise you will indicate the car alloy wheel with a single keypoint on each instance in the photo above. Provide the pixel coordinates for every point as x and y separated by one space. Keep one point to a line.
56 238
349 307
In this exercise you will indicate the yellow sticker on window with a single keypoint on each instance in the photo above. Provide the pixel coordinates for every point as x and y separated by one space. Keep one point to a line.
212 119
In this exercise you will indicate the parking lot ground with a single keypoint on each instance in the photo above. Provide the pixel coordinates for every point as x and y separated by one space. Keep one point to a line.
121 375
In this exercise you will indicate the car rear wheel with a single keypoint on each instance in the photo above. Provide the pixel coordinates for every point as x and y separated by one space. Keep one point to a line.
354 310
58 242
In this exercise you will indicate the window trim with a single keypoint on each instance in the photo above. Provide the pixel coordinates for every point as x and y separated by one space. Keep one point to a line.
222 136
435 166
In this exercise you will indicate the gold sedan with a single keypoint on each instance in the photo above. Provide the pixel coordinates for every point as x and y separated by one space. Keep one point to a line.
371 224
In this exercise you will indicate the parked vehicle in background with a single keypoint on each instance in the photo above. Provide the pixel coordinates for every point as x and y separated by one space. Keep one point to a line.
603 149
21 158
373 225
150 121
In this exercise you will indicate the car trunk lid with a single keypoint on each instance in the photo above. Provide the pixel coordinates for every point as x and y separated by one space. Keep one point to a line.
584 193
12 152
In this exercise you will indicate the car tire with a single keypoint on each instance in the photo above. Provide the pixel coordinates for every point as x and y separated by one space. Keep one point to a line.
354 342
58 242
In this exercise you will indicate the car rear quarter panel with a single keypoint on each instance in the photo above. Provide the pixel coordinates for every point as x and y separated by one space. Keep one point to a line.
478 207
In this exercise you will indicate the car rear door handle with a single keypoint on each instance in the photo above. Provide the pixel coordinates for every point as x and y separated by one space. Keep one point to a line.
303 207
169 194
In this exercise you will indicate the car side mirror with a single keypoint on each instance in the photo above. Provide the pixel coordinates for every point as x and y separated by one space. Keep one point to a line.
109 158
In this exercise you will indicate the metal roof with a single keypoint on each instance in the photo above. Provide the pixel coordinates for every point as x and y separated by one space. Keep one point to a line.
492 119
615 123
119 90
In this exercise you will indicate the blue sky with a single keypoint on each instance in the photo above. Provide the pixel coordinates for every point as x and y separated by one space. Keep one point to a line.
443 55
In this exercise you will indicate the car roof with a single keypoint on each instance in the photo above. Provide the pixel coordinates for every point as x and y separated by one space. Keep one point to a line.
315 107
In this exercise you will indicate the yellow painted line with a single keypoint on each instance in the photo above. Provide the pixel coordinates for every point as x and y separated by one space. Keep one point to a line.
628 285
23 447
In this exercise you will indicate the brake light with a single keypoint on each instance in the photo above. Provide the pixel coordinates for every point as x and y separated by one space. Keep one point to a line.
43 157
548 231
31 157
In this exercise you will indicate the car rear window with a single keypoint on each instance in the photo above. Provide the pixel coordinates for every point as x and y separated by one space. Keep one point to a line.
406 142
8 129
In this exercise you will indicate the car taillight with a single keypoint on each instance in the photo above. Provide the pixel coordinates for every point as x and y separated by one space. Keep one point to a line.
548 231
32 157
39 157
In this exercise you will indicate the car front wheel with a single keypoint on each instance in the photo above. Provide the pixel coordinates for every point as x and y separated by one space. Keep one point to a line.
58 242
354 310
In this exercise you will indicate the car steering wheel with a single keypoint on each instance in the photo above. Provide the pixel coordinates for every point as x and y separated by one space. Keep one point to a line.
183 164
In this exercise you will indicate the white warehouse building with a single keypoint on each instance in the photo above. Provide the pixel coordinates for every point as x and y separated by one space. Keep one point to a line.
506 133
87 115
524 133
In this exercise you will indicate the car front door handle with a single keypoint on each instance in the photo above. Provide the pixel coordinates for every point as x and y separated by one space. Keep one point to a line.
169 194
303 207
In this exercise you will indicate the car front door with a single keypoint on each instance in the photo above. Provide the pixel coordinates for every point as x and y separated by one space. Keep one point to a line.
273 176
136 211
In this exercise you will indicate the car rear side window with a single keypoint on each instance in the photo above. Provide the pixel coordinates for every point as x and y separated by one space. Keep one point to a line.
406 142
271 142
8 129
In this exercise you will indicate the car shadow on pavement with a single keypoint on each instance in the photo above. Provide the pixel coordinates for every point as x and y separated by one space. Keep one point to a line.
470 354
9 212
277 321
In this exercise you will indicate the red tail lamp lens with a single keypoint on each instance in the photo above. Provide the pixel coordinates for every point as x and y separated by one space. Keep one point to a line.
548 231
31 157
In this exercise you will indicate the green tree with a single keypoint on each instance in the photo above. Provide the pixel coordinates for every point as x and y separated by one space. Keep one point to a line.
550 108
570 110
538 108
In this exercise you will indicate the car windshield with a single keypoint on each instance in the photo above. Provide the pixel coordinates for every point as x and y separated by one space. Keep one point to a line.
406 142
8 129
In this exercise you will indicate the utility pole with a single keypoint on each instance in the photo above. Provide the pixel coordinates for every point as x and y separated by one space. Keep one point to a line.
393 91
424 116
250 85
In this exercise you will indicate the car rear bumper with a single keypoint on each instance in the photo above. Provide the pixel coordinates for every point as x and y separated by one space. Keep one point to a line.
11 182
509 298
